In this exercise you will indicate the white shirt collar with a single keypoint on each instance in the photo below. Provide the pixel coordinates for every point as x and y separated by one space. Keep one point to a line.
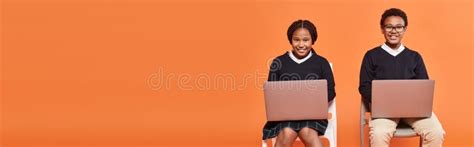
392 51
299 61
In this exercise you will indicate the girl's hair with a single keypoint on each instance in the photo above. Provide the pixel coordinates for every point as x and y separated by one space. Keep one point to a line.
302 24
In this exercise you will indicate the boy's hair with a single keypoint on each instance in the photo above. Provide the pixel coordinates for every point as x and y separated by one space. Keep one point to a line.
393 12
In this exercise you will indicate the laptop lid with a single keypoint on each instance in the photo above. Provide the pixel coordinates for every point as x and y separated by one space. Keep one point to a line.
402 98
296 100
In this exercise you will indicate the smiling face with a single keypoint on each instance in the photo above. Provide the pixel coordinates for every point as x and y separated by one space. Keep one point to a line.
393 29
301 43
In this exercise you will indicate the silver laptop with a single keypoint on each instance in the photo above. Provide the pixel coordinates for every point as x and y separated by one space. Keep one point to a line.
402 98
296 100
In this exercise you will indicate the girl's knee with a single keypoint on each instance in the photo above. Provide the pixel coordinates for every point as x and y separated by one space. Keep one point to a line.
286 137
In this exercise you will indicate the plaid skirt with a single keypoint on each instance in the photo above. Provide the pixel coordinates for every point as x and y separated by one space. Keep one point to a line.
272 128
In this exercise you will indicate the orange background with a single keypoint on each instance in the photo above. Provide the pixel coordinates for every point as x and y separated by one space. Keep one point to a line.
84 73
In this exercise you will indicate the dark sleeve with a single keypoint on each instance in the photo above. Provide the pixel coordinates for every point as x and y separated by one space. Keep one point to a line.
365 79
275 67
420 69
327 73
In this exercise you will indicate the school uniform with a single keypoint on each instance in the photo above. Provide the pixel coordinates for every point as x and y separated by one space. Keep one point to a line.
312 67
386 63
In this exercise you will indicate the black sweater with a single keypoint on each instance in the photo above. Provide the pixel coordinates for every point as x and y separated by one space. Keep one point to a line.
283 68
378 64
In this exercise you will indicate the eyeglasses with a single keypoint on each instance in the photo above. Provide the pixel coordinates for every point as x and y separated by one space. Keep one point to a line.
389 28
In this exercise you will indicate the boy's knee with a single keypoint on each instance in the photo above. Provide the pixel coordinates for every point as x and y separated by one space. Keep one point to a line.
434 134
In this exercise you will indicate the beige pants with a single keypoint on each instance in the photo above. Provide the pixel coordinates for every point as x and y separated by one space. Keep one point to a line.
430 129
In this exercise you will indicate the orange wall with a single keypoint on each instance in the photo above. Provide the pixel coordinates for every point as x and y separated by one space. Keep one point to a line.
86 73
